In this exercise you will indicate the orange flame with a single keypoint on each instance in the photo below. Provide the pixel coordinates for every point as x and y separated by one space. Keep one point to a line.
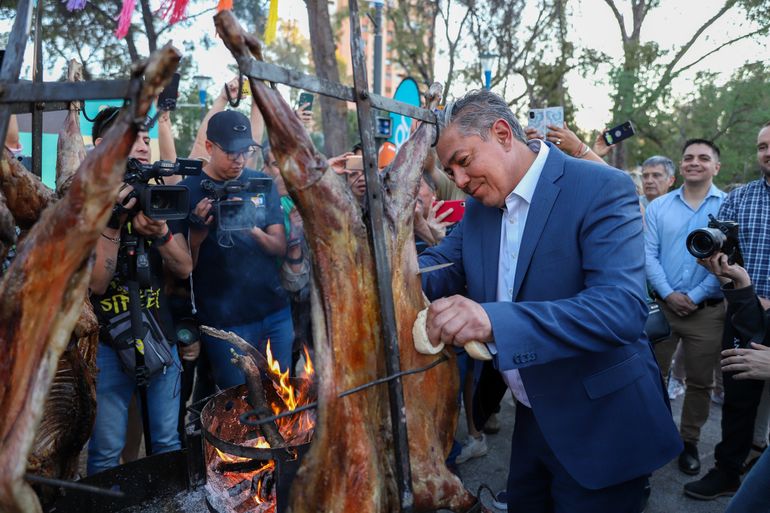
309 370
297 427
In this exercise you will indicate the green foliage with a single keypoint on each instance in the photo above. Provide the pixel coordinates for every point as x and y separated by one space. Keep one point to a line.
730 114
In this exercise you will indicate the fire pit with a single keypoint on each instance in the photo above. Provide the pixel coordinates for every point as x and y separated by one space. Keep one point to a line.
243 473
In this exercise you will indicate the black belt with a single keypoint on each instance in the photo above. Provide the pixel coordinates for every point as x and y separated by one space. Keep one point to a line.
709 302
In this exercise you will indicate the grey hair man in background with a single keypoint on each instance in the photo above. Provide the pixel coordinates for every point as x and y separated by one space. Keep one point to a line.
657 178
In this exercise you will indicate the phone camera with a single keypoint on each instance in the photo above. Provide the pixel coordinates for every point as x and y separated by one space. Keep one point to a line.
531 115
618 133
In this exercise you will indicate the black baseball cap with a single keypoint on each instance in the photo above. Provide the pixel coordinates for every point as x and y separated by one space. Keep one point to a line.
230 130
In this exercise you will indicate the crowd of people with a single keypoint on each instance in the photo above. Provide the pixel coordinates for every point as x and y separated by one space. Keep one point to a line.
561 256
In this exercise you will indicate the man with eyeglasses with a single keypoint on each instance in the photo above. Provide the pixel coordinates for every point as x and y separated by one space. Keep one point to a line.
236 286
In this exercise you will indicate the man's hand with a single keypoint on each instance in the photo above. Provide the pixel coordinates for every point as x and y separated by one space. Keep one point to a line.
747 363
457 320
149 227
681 304
199 233
232 87
123 193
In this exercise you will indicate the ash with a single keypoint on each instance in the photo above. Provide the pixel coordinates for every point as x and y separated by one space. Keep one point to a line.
183 502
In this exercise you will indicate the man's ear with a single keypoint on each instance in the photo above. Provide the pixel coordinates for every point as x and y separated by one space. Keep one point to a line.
502 133
209 145
97 141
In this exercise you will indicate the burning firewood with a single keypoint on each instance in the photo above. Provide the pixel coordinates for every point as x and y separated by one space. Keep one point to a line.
257 398
244 347
353 434
41 295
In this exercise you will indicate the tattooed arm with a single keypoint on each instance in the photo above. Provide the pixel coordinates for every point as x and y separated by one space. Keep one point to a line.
106 256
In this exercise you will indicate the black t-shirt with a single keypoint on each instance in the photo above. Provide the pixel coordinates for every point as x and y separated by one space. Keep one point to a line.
112 308
238 284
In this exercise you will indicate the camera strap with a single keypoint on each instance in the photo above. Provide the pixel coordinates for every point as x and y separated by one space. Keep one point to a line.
193 308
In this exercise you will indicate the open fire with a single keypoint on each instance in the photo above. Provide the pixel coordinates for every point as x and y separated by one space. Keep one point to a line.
245 474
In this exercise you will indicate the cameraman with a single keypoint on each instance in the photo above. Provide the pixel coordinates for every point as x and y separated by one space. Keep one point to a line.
115 384
236 279
747 361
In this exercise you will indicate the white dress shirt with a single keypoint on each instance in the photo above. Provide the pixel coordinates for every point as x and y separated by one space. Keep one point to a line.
511 230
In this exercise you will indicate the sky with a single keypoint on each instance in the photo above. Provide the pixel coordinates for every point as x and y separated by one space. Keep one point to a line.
593 26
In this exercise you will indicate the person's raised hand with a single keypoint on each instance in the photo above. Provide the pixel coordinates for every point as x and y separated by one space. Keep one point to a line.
751 363
564 138
600 146
232 87
338 163
532 133
718 265
305 115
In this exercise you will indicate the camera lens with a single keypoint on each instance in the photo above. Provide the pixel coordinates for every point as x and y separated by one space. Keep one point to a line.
704 242
531 115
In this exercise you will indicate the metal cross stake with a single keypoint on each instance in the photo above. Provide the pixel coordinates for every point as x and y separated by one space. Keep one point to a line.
365 102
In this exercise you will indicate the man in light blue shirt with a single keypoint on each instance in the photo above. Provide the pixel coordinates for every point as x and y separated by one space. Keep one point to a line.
688 295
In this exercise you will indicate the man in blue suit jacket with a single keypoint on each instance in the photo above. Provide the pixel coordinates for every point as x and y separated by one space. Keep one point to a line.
549 272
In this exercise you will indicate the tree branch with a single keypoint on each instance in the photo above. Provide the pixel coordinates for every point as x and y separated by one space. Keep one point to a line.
619 17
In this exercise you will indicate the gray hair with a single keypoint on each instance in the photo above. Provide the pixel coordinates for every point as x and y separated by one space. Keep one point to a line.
659 160
476 112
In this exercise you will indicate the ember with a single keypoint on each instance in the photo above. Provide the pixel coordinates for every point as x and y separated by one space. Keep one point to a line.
244 474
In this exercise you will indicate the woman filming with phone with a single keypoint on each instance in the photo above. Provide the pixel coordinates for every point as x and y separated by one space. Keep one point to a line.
749 359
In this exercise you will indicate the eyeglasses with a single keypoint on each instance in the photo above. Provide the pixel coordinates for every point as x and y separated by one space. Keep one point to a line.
247 154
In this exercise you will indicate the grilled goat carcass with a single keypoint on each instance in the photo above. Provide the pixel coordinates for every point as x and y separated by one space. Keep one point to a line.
41 295
350 466
70 407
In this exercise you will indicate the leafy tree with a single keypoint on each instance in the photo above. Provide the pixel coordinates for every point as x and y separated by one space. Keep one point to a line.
730 114
642 82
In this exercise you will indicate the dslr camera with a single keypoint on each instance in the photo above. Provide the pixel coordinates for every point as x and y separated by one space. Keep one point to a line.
231 211
158 201
719 236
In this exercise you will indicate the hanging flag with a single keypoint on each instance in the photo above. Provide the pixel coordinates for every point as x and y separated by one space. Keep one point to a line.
173 10
272 22
224 5
124 18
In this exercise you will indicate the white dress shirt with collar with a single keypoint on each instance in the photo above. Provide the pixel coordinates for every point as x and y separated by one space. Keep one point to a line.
511 230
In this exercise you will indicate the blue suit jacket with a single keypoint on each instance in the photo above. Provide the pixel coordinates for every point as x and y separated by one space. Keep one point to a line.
574 326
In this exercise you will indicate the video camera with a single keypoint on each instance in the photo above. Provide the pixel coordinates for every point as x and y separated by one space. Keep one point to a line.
719 236
231 212
159 201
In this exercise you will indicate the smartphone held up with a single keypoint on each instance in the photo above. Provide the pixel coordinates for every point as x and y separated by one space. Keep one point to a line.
619 133
458 210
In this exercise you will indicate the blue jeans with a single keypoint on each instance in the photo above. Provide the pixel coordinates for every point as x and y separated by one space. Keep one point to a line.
754 494
114 389
276 327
